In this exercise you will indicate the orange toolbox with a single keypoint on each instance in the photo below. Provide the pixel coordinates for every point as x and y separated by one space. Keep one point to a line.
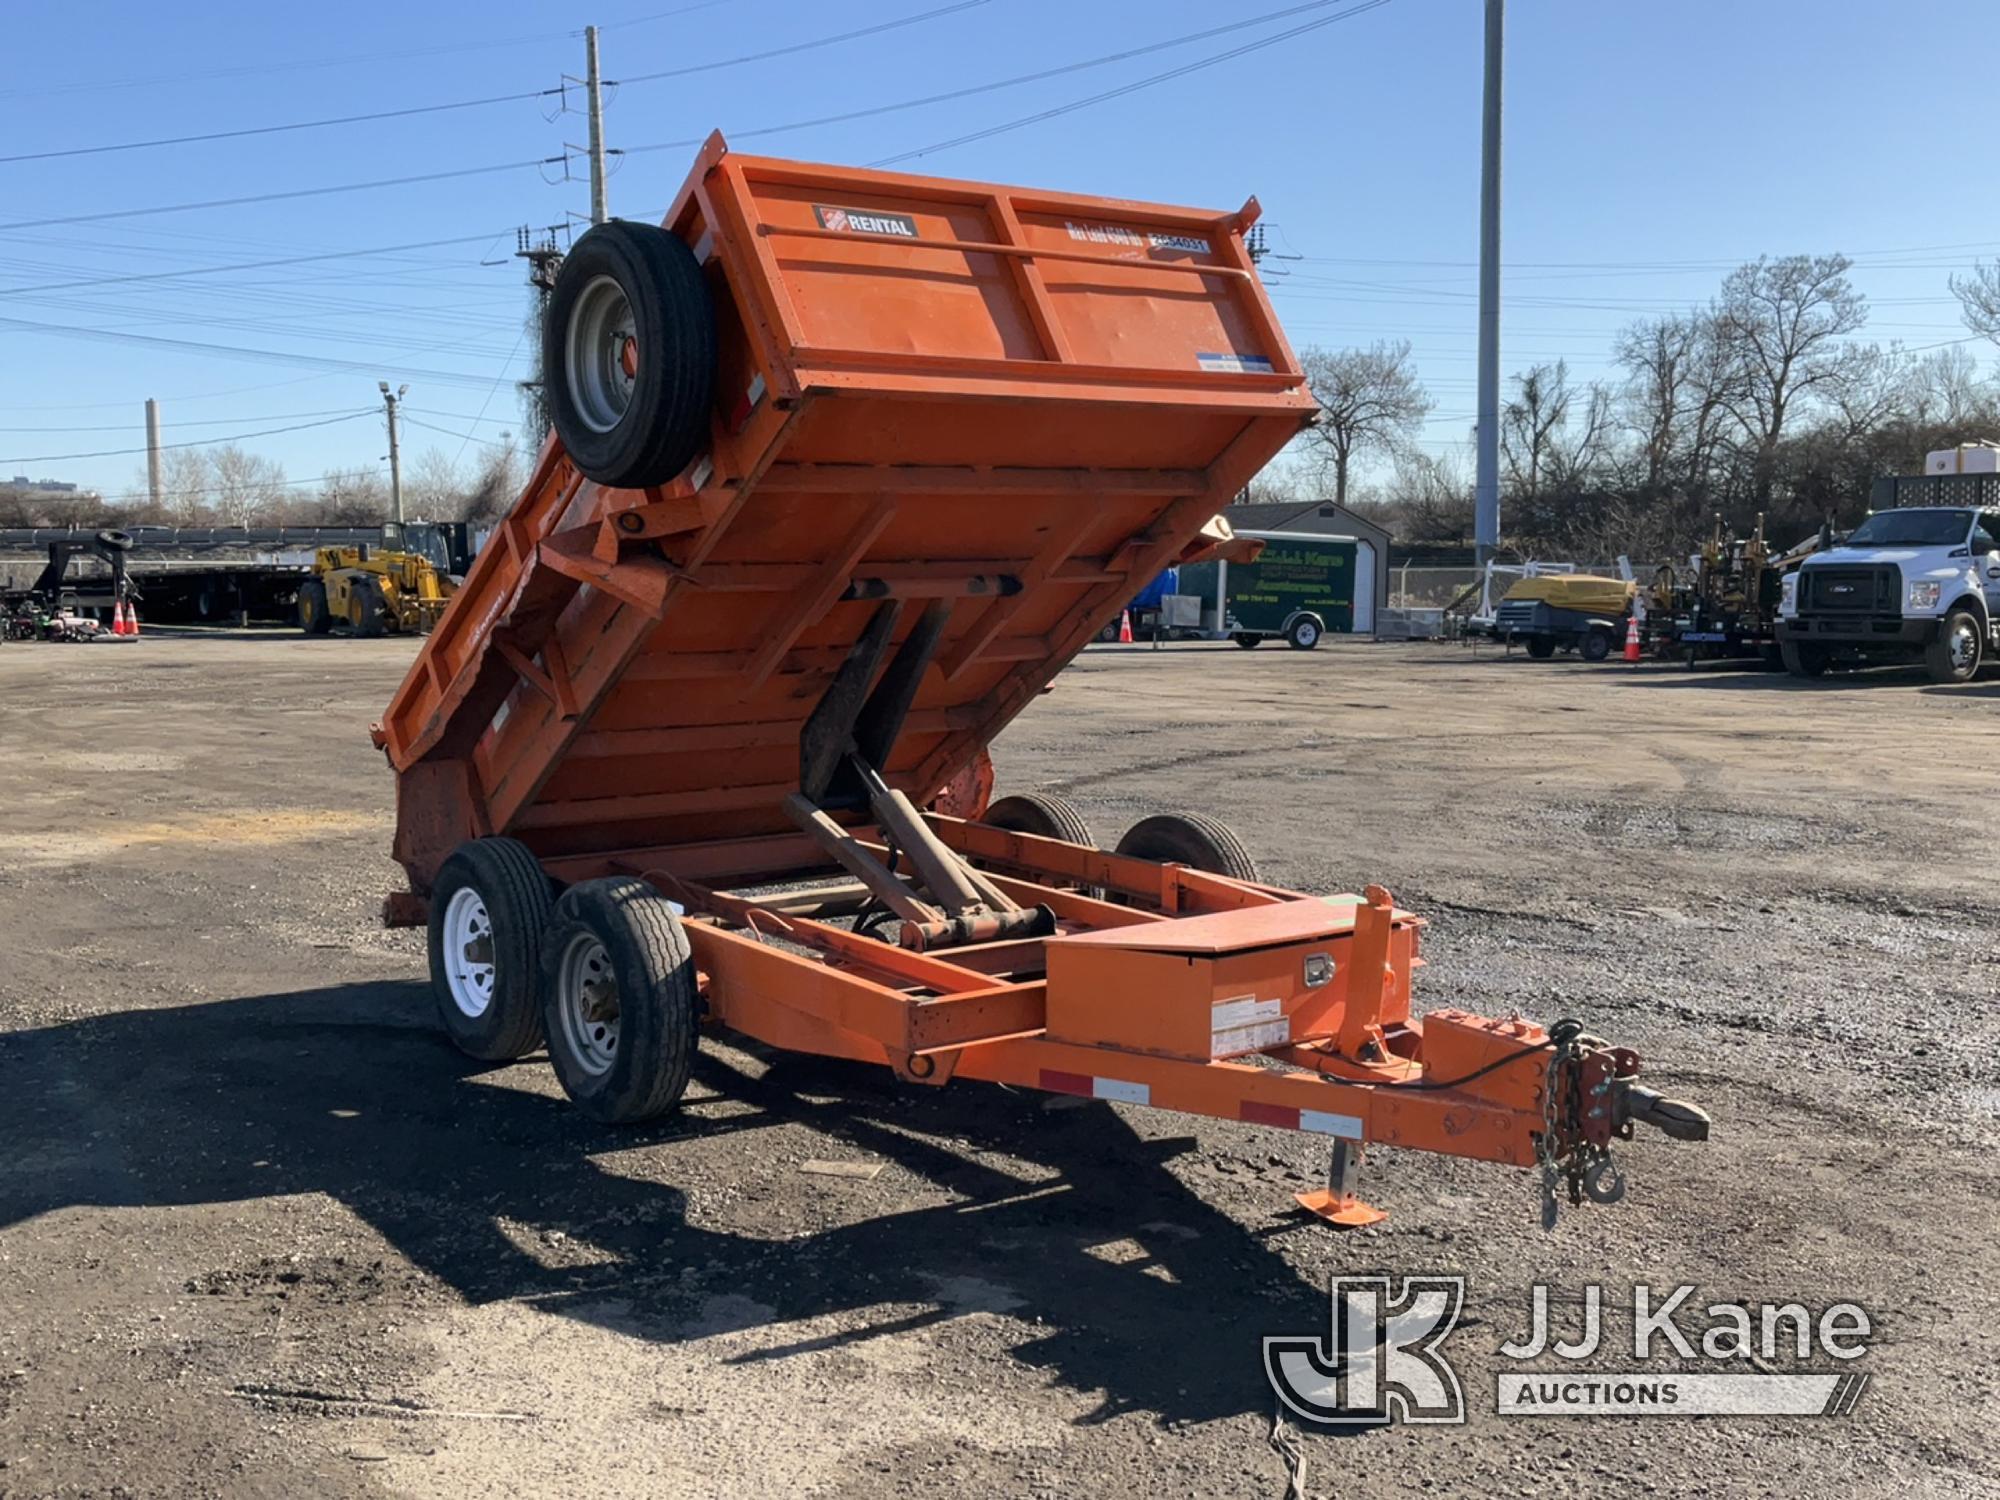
846 466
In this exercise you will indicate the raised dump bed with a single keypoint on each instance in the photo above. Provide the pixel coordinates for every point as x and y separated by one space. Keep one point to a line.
847 466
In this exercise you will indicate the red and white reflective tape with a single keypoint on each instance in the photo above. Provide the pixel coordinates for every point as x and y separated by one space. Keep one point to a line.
1086 1086
753 396
1286 1117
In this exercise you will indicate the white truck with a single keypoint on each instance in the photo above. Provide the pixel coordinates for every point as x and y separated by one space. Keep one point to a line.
1914 583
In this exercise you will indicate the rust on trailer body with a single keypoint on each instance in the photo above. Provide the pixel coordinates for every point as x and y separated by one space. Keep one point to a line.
1015 407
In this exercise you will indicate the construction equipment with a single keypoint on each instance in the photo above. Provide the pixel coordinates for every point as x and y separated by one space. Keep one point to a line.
373 592
51 608
1726 604
1578 612
847 466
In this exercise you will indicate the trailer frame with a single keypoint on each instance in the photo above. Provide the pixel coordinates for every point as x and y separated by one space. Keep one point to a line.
616 689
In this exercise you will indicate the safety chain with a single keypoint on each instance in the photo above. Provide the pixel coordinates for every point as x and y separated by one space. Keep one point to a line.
1583 1165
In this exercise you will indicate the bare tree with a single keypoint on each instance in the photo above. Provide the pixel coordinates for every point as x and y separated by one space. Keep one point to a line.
1277 484
1978 293
1786 320
1874 386
497 485
1541 447
1681 376
352 497
184 486
1370 402
248 487
435 485
1944 388
1659 356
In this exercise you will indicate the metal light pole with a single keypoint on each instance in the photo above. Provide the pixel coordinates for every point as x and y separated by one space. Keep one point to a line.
1486 497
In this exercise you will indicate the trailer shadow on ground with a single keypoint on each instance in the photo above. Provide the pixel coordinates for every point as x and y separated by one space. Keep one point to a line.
348 1091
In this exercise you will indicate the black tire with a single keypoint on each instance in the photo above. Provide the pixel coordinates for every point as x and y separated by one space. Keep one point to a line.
374 618
1303 633
1595 646
1959 650
1541 647
1043 814
1802 661
671 390
116 541
313 616
509 886
621 932
1190 839
1247 641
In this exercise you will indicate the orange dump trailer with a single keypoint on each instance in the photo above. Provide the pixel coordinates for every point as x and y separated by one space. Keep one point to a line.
847 465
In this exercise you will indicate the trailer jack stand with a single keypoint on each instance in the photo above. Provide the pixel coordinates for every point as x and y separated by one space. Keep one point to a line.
1336 1202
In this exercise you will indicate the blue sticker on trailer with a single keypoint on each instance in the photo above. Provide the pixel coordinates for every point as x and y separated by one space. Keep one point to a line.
1235 364
1704 636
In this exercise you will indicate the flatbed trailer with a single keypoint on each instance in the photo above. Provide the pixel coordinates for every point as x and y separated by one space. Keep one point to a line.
847 466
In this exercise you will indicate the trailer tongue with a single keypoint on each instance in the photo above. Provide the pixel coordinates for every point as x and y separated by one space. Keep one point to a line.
847 466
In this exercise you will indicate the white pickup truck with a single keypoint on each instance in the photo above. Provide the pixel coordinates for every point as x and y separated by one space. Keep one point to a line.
1919 583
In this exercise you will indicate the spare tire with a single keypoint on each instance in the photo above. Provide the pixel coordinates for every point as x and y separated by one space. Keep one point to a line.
117 541
628 355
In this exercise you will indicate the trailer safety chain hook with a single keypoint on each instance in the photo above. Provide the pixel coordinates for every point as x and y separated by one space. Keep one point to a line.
1586 1167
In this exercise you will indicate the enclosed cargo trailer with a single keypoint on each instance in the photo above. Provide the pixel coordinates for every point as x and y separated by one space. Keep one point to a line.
847 466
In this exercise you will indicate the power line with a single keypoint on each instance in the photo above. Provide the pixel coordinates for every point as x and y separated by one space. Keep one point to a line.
243 265
797 47
462 172
50 458
263 69
348 187
1134 87
233 351
465 437
410 111
951 95
251 130
276 416
660 15
491 391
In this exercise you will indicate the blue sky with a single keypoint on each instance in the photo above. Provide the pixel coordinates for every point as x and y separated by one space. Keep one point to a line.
1649 148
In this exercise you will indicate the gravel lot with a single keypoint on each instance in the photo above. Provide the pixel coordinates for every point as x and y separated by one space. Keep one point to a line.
262 1232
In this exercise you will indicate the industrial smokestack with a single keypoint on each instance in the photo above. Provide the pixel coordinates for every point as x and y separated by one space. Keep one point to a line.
153 450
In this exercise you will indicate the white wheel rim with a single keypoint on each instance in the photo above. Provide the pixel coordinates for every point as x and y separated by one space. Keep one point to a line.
1308 633
602 355
587 1003
1964 647
468 952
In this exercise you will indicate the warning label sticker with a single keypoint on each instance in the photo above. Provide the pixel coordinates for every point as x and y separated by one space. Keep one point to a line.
1234 364
1250 1038
865 221
1246 1024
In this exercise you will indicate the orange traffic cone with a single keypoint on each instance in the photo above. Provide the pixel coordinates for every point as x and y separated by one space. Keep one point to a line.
1125 628
1631 638
131 621
118 618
